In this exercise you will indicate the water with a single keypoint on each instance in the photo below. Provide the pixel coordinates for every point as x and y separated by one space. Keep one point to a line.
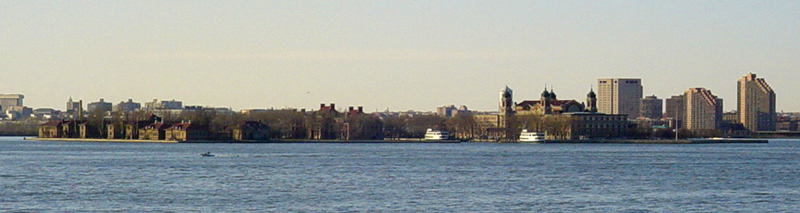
467 177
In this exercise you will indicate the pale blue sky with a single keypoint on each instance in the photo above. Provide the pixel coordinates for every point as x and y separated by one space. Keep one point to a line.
389 54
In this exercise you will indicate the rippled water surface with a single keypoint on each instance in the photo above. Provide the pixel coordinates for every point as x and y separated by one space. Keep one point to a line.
467 177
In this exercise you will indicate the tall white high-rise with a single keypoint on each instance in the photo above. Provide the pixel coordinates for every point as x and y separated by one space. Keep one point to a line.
619 96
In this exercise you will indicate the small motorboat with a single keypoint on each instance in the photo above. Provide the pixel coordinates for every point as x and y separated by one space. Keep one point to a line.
207 154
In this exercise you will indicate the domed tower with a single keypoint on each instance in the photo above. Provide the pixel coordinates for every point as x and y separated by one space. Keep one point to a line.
545 99
506 101
552 94
591 101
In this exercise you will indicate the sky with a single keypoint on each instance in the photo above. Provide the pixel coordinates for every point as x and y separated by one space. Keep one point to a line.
396 55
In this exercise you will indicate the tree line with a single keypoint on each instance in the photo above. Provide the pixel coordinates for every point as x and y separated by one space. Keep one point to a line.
293 124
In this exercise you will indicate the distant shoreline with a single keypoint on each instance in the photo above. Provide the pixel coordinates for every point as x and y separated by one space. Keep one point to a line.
605 141
232 141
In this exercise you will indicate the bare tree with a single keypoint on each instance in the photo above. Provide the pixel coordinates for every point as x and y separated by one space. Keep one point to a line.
364 127
395 126
462 126
417 125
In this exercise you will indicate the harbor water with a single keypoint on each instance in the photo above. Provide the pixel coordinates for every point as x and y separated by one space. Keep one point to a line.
415 177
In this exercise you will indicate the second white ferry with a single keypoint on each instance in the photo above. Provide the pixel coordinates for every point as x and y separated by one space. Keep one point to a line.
436 135
531 137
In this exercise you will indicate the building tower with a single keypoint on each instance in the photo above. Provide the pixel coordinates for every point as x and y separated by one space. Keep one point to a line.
703 109
591 101
619 96
73 107
506 107
545 99
756 104
506 101
70 104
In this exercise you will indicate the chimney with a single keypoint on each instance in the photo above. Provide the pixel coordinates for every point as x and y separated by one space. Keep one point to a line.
333 106
350 108
361 109
321 105
80 109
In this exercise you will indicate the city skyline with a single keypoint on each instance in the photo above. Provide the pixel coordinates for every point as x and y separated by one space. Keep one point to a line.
395 55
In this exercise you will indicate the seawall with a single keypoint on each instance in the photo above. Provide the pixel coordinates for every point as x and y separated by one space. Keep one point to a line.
99 140
232 141
683 141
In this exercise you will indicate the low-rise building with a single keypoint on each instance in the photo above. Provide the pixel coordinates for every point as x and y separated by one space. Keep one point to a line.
324 123
153 131
132 127
787 126
490 126
250 130
186 131
596 125
45 113
51 129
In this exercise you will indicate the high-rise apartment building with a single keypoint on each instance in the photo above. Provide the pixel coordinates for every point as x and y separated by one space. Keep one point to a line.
756 104
451 110
675 111
703 109
129 106
619 96
101 105
652 107
164 104
9 100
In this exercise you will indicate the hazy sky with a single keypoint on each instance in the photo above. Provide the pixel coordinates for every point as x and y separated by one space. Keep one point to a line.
399 55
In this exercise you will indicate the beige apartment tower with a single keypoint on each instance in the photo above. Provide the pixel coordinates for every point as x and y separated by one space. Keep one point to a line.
619 96
703 109
756 104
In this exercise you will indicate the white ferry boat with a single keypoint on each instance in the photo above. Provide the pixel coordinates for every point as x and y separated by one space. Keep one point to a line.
436 135
526 136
